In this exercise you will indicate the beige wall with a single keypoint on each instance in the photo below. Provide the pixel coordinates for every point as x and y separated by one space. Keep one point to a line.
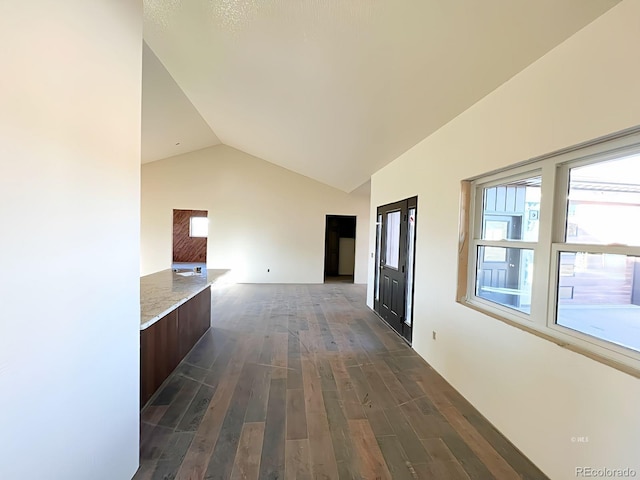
537 393
69 208
346 259
261 216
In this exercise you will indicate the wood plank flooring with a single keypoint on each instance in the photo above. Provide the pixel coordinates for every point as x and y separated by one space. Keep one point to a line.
305 382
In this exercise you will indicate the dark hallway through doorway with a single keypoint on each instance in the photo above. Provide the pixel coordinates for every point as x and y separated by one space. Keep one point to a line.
339 249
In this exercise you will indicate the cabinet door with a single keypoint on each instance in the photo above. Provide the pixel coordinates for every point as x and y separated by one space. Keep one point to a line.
194 319
158 354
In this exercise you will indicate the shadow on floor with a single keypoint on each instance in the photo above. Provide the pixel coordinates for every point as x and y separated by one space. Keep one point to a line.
339 279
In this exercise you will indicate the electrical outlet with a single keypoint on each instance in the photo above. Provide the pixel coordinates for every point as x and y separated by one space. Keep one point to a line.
434 334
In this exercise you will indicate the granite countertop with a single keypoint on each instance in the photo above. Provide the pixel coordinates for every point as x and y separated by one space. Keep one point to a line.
162 292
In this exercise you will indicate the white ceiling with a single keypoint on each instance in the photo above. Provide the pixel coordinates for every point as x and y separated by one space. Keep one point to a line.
170 123
336 89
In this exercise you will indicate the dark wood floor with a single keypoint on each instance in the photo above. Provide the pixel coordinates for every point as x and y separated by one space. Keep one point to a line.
304 382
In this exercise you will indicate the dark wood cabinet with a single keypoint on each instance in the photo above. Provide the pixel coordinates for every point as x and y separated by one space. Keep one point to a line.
164 344
158 354
194 319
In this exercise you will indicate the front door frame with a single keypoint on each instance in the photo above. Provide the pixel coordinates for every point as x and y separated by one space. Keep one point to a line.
402 325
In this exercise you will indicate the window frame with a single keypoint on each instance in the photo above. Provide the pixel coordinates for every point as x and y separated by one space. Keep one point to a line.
477 213
554 171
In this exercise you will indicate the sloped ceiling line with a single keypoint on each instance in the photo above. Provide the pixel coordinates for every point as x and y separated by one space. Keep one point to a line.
171 124
336 89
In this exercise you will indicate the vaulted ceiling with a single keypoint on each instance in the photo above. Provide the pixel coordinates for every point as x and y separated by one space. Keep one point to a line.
333 89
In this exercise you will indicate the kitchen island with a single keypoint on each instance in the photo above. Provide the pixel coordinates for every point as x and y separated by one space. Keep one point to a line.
175 311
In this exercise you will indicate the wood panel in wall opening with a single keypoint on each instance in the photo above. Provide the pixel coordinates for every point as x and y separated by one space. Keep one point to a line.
185 247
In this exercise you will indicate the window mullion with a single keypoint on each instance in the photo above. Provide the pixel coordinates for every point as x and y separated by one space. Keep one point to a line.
560 197
542 255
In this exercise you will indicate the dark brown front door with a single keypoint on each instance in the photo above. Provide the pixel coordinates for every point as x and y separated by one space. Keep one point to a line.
393 296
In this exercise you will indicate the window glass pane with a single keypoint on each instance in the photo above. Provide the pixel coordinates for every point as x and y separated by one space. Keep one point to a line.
599 295
504 276
198 226
511 210
604 202
392 257
410 254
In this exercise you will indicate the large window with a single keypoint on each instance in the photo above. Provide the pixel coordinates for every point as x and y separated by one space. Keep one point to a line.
555 246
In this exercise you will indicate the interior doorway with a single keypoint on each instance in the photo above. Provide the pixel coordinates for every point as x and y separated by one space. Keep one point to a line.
190 232
340 249
395 262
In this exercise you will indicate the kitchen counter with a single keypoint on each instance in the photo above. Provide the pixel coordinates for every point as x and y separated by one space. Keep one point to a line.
165 291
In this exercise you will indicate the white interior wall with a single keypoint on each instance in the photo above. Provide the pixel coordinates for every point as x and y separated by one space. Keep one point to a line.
69 207
261 216
537 393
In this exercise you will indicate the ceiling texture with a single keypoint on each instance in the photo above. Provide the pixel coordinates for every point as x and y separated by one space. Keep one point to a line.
333 89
